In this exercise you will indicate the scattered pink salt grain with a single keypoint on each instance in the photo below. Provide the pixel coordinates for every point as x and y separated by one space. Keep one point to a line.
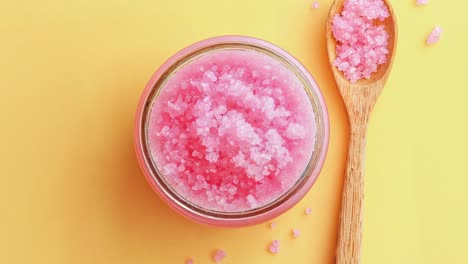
189 261
315 5
272 225
362 44
421 2
308 211
295 233
434 36
274 246
219 255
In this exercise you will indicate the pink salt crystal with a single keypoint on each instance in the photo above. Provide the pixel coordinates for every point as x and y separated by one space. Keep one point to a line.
295 233
362 44
189 261
421 2
219 255
434 36
315 5
272 225
274 246
232 130
308 211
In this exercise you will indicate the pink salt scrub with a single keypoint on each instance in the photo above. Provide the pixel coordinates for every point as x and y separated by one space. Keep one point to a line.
274 246
189 261
219 255
315 5
362 44
308 211
434 36
232 130
296 233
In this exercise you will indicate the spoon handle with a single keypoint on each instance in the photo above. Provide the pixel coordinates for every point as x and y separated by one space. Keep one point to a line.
350 234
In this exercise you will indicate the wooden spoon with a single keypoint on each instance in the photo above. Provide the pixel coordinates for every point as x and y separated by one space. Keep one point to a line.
359 99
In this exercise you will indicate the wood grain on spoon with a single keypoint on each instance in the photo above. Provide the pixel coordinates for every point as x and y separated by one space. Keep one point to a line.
359 99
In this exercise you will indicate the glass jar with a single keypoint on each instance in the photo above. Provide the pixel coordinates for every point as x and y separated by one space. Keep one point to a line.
220 218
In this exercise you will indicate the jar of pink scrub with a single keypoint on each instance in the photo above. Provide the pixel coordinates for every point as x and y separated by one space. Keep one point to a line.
231 131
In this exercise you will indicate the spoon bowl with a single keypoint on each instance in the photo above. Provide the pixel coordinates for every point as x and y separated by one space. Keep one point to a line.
359 98
377 79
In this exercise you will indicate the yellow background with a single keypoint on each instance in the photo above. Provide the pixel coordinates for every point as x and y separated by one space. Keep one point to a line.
71 73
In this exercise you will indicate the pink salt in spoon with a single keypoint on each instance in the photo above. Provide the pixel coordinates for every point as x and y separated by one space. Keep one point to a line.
359 98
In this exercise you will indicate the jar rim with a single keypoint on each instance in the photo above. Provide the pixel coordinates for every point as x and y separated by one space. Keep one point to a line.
219 218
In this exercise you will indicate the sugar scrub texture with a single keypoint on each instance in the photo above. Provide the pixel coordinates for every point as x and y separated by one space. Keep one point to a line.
362 45
232 130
